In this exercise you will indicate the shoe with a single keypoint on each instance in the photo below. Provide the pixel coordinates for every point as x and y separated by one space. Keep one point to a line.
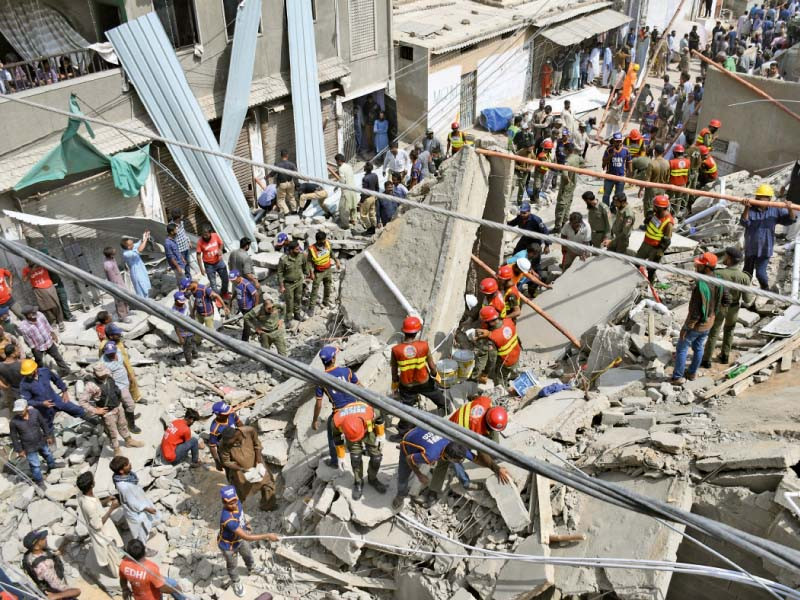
370 231
259 571
197 465
472 486
378 485
397 437
130 418
72 319
358 490
61 327
301 317
269 505
691 376
706 364
397 503
678 381
333 464
238 589
132 443
56 465
723 359
41 485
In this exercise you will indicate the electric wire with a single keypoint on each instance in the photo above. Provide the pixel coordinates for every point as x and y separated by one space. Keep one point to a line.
766 549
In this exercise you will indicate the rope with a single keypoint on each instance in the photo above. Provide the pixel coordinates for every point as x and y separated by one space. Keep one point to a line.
779 554
550 239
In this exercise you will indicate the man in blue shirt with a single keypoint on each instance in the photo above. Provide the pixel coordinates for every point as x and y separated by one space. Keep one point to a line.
224 417
387 209
421 447
528 221
37 388
247 297
266 200
204 299
174 255
616 161
338 399
759 232
234 538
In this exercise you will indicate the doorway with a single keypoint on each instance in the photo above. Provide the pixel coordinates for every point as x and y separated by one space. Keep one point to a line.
468 99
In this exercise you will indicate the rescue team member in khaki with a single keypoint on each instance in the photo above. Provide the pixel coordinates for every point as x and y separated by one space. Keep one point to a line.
657 235
320 256
414 371
292 269
599 220
657 172
267 321
622 226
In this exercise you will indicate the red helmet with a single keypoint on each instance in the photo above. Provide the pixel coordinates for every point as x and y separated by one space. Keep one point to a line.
661 201
412 324
354 429
505 272
547 144
497 418
715 123
703 150
489 286
635 135
489 313
677 149
454 125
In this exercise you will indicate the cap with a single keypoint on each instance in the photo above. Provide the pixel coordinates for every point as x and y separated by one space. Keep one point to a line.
234 274
32 537
100 370
617 136
227 492
185 283
221 408
707 259
428 130
327 354
525 207
282 238
734 253
179 297
565 131
20 404
109 348
113 329
27 366
524 264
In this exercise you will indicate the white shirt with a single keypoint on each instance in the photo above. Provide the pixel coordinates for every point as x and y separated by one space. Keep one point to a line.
398 163
582 236
671 42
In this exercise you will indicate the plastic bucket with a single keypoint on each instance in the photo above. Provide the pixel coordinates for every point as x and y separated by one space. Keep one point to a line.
466 362
448 370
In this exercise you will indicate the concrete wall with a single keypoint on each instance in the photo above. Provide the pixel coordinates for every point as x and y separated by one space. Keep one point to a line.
411 85
759 135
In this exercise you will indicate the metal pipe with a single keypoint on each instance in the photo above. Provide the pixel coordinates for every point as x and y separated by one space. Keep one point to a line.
390 284
755 89
573 340
664 186
704 213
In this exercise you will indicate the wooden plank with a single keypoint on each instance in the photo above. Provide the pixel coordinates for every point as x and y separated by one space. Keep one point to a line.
344 578
544 509
786 362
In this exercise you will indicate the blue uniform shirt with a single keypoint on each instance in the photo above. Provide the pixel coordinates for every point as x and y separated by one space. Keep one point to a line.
337 398
229 522
204 303
216 429
426 447
246 294
185 312
617 161
39 390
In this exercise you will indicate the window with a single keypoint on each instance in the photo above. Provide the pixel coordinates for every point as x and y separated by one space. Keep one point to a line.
363 37
314 10
179 20
230 8
407 53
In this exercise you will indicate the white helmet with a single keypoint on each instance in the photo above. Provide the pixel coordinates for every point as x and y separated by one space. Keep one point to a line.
524 265
471 301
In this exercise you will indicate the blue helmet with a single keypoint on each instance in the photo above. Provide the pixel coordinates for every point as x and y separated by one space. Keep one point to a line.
113 329
109 348
234 274
221 408
179 297
327 354
185 283
616 136
283 237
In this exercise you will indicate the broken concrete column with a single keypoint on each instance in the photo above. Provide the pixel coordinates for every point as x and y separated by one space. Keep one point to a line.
611 342
347 552
520 580
509 504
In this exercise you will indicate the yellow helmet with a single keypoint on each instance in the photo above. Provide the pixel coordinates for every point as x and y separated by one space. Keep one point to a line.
765 190
27 366
635 66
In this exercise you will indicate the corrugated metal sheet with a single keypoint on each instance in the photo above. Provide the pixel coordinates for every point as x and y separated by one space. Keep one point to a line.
309 139
150 62
240 73
577 30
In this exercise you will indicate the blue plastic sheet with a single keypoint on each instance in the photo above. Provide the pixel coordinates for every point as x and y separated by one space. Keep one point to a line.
496 119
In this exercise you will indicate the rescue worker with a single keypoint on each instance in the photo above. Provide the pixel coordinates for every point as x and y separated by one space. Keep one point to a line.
480 416
240 453
708 169
704 304
512 131
657 234
530 222
292 270
205 299
455 140
599 220
657 172
114 333
707 135
265 320
522 171
759 224
338 399
424 447
566 190
414 370
357 426
234 538
498 347
247 298
679 175
320 256
224 417
185 337
491 296
622 226
540 171
616 161
511 297
635 143
726 317
695 160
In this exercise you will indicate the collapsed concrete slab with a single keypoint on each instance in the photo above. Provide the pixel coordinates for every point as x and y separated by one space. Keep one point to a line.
749 455
561 415
588 293
520 580
426 255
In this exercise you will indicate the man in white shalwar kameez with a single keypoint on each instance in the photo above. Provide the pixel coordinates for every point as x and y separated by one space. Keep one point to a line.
106 541
140 512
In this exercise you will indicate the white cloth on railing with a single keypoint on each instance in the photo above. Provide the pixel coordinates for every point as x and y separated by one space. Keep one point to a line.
106 51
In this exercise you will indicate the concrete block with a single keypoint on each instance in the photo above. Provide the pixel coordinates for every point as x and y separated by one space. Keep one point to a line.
391 532
60 492
613 416
749 455
741 386
43 513
659 349
668 442
341 509
638 402
413 585
762 480
347 552
561 415
617 436
509 504
325 500
610 342
275 449
520 580
616 383
642 419
748 318
267 260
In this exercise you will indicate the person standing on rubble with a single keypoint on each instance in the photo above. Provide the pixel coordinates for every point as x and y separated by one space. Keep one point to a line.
599 220
759 232
348 202
239 260
205 298
29 436
96 513
497 349
657 234
247 297
414 371
320 256
624 219
41 338
140 512
511 295
285 198
111 269
292 270
355 427
529 222
37 389
210 248
569 180
575 230
113 361
267 322
114 334
704 304
184 246
45 293
725 319
224 418
240 454
185 337
234 538
173 254
131 254
657 172
616 161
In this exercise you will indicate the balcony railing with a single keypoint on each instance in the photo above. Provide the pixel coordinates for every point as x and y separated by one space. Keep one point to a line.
47 70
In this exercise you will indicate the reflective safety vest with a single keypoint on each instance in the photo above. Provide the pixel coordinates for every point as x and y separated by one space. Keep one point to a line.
355 410
512 291
679 171
544 155
634 148
321 258
499 304
512 133
456 140
412 362
505 338
655 229
705 137
472 415
709 169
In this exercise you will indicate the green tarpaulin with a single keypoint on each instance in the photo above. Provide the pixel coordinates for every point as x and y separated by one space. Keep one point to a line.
75 155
